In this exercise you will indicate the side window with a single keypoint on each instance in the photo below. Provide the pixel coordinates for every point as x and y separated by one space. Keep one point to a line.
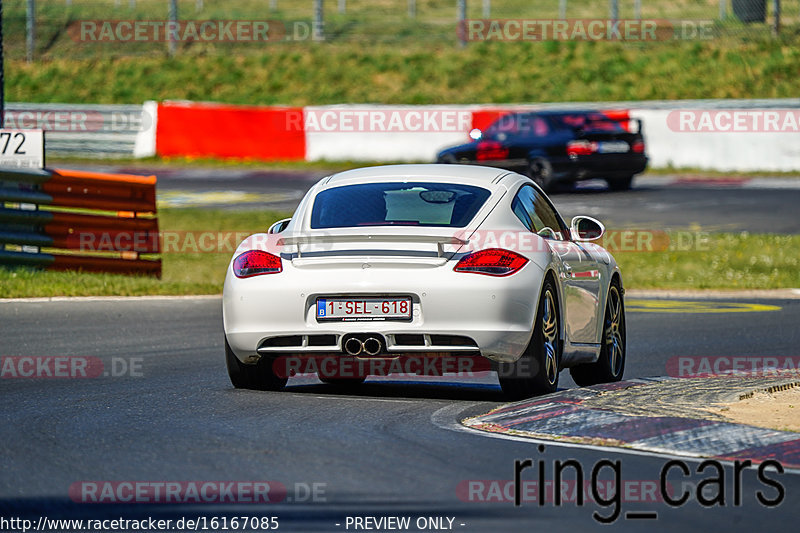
548 216
521 212
534 212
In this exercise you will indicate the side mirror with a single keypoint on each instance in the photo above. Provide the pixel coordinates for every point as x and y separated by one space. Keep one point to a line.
279 226
475 134
585 228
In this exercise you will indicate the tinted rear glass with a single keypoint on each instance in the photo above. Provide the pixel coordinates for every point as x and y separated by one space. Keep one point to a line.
397 204
588 121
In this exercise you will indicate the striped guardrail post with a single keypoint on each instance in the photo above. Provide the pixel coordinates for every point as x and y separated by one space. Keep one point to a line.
90 221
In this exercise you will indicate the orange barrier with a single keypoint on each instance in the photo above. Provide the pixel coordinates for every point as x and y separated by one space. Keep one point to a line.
117 221
106 264
215 130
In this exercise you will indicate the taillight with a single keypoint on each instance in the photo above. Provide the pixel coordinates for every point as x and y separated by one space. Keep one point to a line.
638 147
581 148
489 150
256 263
491 262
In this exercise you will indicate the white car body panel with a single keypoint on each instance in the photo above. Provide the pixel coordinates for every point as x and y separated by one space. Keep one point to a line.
497 313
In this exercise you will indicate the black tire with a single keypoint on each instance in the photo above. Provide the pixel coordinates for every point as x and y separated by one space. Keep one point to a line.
536 371
259 376
620 184
540 170
448 159
611 364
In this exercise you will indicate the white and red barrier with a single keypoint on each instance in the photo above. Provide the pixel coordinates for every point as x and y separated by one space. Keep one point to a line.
364 132
733 136
732 139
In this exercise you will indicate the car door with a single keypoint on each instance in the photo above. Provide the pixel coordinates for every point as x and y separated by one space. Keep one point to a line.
578 267
582 291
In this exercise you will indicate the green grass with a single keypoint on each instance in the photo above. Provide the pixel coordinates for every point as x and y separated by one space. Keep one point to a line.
170 162
376 53
316 74
691 173
724 261
365 22
157 162
715 261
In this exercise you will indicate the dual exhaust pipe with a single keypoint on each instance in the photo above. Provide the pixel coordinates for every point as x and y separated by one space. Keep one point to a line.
370 346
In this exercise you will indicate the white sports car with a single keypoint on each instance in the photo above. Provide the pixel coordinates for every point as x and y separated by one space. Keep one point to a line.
433 261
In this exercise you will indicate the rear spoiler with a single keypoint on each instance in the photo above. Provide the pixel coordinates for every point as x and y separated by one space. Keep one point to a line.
625 123
438 240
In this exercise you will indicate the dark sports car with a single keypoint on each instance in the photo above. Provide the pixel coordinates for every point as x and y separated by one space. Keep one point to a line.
557 147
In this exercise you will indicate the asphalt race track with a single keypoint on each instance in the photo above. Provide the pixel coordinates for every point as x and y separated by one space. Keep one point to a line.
165 411
160 408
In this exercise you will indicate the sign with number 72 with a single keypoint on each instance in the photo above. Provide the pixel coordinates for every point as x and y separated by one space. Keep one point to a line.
21 148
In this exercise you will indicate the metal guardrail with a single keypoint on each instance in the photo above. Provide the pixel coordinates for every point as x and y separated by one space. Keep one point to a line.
90 130
110 219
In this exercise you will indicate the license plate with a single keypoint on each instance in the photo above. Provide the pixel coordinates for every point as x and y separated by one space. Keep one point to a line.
613 147
358 309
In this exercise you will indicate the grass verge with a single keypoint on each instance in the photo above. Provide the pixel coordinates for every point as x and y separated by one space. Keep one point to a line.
423 73
130 164
718 261
156 163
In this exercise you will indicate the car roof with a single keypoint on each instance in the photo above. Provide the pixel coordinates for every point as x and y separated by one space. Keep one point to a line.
465 174
559 112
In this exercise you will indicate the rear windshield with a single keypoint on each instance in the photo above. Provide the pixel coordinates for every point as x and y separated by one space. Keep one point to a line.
399 203
588 121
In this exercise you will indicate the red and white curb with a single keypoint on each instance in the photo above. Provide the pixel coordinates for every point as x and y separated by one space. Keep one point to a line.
564 417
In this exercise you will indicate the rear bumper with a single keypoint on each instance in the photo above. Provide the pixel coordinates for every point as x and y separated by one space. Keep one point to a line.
599 166
496 313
